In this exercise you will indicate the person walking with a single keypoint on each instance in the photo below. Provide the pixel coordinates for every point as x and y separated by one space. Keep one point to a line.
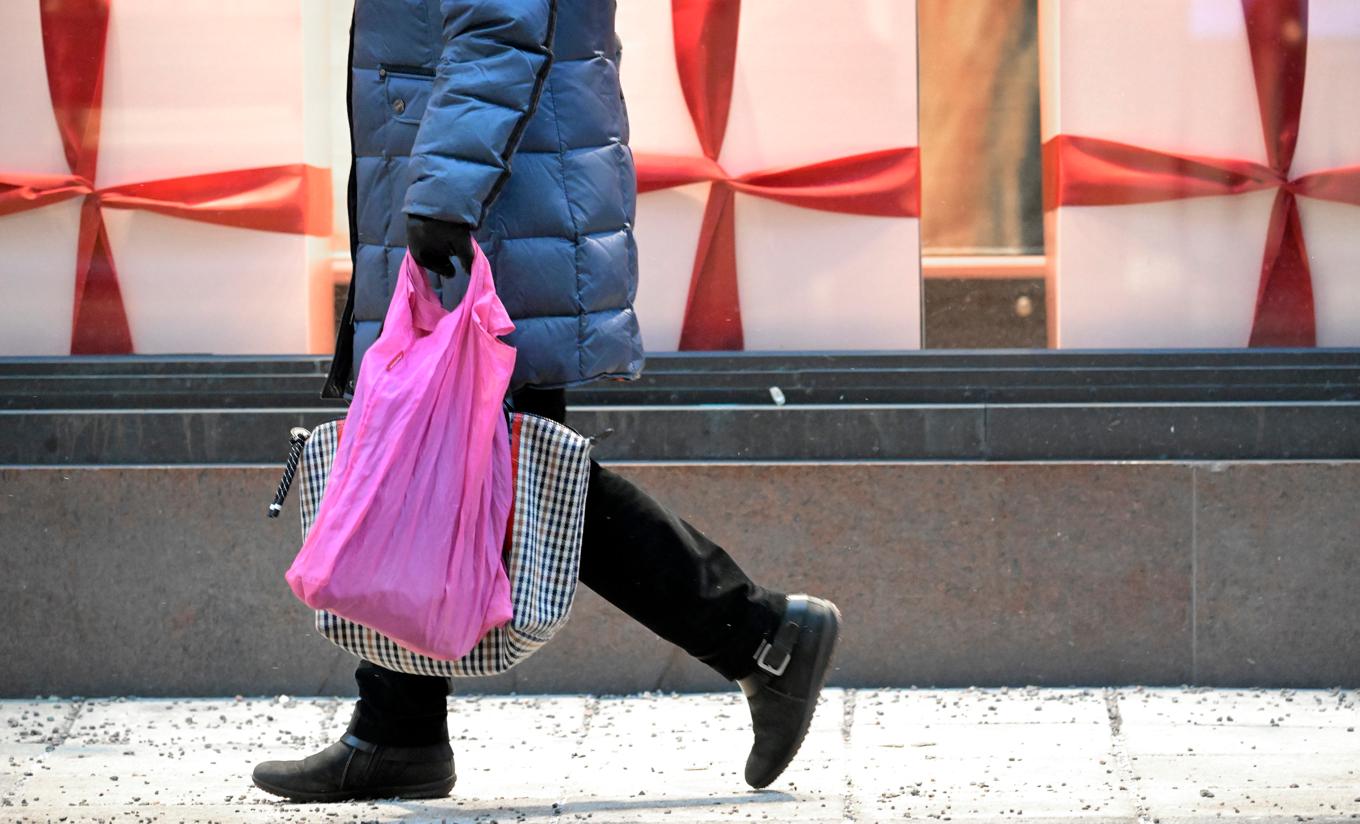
445 98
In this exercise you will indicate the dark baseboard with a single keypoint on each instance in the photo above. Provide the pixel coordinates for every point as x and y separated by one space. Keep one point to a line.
946 406
927 377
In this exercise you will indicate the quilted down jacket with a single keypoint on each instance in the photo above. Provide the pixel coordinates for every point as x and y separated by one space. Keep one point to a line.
446 99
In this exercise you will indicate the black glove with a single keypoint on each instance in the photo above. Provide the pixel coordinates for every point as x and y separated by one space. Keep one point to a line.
435 243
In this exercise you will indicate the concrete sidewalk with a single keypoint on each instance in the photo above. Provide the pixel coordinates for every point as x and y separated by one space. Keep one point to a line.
1131 754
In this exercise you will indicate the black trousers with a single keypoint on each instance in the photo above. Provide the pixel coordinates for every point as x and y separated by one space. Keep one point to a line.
635 554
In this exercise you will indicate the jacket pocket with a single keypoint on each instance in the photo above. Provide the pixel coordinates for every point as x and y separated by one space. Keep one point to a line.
407 89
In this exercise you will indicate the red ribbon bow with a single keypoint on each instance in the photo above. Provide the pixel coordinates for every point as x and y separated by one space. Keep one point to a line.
1088 171
885 183
292 198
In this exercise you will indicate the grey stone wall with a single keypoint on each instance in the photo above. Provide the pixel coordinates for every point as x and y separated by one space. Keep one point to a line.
169 580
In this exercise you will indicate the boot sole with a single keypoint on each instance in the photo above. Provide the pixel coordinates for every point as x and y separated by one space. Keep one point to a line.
826 647
434 789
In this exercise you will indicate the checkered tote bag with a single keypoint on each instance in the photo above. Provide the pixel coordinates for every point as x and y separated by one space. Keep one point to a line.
551 465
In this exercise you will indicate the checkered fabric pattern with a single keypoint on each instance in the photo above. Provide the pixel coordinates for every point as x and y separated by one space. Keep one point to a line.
551 471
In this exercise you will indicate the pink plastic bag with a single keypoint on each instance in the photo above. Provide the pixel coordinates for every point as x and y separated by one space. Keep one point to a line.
409 535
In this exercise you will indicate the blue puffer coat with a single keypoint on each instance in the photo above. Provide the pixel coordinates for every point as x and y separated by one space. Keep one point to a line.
446 98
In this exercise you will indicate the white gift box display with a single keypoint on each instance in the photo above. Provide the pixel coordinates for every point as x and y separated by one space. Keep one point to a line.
777 173
1202 171
162 180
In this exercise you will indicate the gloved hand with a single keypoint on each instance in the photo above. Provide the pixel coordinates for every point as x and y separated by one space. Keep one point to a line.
434 243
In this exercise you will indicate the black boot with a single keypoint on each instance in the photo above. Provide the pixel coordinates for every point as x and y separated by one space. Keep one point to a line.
782 693
352 768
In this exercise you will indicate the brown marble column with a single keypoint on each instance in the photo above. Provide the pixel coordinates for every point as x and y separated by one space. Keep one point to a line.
980 127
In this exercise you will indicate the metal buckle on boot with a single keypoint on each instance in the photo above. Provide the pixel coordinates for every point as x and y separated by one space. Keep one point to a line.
785 638
763 651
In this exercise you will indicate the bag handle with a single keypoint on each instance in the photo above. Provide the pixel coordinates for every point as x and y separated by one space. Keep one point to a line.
427 311
297 438
486 304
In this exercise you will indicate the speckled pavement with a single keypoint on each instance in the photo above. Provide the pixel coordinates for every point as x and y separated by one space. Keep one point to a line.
1046 755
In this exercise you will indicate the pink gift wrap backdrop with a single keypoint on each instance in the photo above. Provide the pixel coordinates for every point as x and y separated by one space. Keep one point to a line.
778 173
152 200
1202 164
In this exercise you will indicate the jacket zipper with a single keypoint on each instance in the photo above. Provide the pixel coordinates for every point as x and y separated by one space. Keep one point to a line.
411 71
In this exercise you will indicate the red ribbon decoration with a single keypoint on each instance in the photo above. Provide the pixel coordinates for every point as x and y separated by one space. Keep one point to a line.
1088 171
885 183
293 198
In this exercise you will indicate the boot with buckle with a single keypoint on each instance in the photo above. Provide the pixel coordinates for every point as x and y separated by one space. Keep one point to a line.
782 692
352 768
